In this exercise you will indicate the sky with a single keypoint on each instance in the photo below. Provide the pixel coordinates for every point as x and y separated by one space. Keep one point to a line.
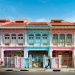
38 10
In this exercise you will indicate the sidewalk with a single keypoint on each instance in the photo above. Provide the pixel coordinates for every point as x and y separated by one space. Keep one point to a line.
36 69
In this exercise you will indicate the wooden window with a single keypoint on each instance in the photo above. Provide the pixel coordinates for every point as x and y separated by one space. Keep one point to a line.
55 39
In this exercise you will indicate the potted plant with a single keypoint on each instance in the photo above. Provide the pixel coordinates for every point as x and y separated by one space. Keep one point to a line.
18 53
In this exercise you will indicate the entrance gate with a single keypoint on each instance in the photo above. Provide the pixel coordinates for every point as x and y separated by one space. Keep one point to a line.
9 62
37 62
67 62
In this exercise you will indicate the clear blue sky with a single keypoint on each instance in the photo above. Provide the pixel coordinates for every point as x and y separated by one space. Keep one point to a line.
38 10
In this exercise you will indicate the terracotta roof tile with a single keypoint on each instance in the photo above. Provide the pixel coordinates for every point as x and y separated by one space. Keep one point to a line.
37 23
62 23
13 24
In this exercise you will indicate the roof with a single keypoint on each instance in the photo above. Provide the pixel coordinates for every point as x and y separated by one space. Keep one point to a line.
61 23
13 24
37 23
53 23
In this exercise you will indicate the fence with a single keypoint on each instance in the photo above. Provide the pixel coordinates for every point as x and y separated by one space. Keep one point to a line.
21 62
67 62
9 62
24 62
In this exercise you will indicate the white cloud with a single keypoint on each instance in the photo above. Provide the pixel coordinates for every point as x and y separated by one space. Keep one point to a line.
41 20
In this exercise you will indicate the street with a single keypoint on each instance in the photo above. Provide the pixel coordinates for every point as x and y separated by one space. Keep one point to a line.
37 73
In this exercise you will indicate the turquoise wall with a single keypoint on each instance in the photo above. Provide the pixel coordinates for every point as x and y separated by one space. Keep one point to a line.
38 45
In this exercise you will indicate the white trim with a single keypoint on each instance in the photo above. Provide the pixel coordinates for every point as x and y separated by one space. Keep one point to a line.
12 49
5 27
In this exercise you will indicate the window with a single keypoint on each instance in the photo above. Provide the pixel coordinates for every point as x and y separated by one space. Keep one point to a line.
31 39
38 39
7 36
44 36
38 36
69 39
45 39
31 36
55 39
62 39
20 36
13 36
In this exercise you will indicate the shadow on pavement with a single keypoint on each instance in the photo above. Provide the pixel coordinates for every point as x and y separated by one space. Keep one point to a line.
24 70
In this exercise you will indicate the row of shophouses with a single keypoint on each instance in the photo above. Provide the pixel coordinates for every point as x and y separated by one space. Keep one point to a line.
37 41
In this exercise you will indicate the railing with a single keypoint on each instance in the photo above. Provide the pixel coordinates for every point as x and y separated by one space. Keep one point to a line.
66 61
6 41
9 62
20 41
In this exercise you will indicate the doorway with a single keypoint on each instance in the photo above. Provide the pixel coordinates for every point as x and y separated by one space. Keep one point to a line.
66 57
37 58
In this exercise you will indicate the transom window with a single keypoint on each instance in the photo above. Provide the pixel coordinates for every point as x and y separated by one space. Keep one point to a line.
31 36
7 36
55 36
38 36
44 36
20 36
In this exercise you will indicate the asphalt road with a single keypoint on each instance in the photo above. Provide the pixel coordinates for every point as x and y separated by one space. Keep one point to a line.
37 73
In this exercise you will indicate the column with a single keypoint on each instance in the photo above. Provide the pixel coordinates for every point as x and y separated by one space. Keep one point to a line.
10 40
74 51
72 44
74 58
65 40
44 61
41 43
25 38
30 61
25 52
50 39
2 55
16 43
50 44
74 39
60 60
58 40
1 38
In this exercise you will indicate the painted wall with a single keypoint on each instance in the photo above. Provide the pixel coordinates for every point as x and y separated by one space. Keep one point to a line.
10 32
38 44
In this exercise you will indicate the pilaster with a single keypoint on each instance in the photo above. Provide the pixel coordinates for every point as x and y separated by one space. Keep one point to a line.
60 59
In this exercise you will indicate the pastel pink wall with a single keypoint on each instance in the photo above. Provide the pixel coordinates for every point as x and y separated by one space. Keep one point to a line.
14 31
55 62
